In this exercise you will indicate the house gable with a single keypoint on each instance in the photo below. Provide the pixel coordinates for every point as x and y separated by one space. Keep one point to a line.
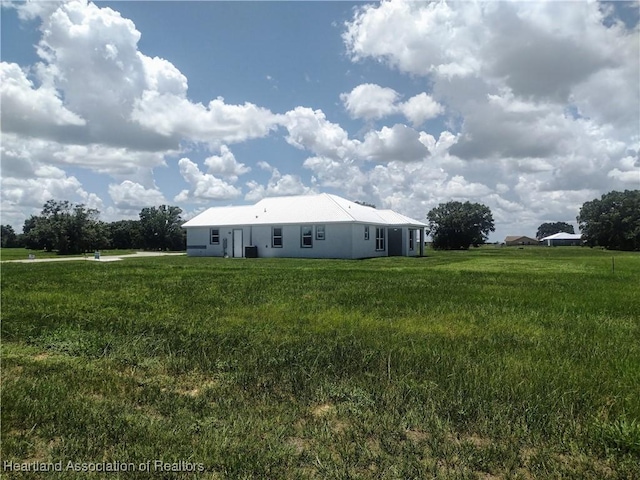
513 240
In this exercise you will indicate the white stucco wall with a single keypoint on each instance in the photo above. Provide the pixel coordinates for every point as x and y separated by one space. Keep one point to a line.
342 240
365 248
337 242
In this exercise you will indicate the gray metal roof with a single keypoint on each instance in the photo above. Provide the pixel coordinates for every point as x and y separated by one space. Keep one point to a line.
514 238
563 236
321 208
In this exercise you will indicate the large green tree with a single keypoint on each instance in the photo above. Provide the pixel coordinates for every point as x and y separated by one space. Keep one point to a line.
160 228
65 227
8 237
456 225
613 221
547 229
38 234
125 234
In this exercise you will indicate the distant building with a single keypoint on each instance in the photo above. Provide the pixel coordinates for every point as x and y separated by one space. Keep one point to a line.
562 239
515 240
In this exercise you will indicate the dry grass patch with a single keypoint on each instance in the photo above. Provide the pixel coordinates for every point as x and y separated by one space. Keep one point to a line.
194 388
323 410
586 466
339 426
299 445
416 436
40 448
373 445
476 440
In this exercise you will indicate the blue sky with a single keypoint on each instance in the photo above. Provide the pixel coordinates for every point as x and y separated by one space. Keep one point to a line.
530 108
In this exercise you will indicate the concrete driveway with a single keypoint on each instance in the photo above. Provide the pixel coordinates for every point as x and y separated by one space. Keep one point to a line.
103 258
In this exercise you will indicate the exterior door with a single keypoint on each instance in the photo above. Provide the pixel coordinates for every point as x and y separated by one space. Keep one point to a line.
394 236
237 244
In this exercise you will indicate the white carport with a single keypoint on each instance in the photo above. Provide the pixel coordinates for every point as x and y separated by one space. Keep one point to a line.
562 239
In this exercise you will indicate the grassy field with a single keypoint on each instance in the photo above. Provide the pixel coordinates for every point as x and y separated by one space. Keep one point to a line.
491 363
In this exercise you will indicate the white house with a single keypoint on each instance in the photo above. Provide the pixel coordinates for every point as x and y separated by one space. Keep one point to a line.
307 226
562 239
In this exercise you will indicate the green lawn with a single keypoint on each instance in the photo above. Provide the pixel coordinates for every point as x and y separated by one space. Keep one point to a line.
490 363
23 254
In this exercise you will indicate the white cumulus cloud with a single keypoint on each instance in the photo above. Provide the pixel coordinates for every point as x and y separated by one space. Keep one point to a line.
420 108
226 165
542 99
278 185
399 143
130 195
309 129
204 187
370 101
26 108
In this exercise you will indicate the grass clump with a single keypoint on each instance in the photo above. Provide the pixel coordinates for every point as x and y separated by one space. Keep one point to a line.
502 363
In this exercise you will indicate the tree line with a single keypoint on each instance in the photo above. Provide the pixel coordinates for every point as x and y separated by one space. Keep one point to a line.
612 221
69 228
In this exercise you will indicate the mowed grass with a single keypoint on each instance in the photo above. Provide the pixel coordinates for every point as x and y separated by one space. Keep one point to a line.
23 254
491 363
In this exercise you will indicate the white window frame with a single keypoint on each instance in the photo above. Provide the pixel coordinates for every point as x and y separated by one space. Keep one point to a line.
380 239
412 236
216 234
320 232
366 232
274 237
306 234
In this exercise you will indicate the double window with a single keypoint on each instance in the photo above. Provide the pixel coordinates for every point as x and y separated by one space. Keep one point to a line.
276 237
215 236
380 239
306 235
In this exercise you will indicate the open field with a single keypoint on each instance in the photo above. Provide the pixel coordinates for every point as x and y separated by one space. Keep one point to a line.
491 363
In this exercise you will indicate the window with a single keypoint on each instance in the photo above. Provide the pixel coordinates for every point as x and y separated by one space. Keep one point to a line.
320 232
366 232
276 237
379 238
412 234
215 236
306 237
